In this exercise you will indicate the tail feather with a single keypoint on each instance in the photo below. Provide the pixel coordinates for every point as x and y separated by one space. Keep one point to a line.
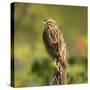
63 63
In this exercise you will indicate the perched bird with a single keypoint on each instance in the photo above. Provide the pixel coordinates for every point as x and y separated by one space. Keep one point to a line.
54 42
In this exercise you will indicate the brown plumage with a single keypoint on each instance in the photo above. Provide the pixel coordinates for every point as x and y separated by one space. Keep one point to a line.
54 42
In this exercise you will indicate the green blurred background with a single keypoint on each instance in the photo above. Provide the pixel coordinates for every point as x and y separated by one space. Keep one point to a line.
33 66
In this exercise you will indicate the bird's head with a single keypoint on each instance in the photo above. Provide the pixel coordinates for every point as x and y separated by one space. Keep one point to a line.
49 23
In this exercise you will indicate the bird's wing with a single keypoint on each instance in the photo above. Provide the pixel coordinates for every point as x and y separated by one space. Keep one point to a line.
53 38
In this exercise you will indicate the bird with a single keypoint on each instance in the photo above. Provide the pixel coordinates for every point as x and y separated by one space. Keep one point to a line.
54 42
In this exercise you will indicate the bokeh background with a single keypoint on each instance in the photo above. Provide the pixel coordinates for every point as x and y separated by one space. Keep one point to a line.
33 66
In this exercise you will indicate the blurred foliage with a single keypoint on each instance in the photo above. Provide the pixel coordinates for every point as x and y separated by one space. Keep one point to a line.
33 66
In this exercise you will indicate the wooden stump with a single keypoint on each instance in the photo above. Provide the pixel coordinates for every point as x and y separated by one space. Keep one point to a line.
59 76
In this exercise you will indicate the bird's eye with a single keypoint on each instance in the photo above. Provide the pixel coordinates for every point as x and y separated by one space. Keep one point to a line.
49 21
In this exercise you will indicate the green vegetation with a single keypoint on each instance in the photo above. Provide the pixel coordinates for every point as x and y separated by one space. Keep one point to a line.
33 66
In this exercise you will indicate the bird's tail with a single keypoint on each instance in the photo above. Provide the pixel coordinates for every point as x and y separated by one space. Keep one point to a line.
63 63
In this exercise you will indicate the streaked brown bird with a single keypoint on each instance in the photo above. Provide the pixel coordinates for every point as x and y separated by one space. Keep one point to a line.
54 42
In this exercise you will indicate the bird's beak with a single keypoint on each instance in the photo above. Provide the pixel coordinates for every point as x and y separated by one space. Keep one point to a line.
44 22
